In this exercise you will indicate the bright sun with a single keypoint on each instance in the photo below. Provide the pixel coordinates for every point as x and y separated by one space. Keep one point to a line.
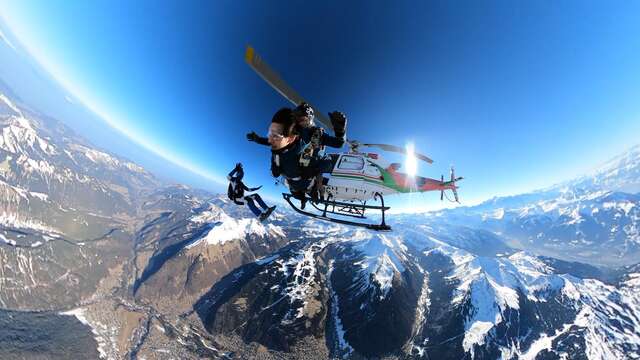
411 165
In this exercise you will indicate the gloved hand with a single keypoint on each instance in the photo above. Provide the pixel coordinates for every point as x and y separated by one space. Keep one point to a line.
255 188
252 136
339 122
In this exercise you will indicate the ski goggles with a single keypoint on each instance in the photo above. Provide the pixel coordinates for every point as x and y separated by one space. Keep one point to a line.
275 135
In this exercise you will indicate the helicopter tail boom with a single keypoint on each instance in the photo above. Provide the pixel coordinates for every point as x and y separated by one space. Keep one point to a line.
441 185
424 184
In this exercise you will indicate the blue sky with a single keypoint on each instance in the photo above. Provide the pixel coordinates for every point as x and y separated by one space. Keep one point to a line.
517 96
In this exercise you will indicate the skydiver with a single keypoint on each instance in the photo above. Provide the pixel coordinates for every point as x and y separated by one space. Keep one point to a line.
297 149
236 192
313 160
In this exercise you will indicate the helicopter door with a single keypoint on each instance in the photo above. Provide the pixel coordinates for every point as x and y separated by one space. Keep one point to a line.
347 177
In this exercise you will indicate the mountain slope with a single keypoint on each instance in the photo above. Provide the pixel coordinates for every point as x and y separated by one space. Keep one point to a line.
368 294
66 210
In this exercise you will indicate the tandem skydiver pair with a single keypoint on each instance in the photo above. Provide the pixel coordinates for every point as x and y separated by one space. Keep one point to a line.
298 149
297 153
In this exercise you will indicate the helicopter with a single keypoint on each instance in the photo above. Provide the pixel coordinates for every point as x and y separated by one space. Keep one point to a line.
357 177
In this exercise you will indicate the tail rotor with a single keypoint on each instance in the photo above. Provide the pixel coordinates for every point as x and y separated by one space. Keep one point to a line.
451 184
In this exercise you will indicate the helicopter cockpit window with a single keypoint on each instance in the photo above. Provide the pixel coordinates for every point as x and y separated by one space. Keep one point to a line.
373 171
351 163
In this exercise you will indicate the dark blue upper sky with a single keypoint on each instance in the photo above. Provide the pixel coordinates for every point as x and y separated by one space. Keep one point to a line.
516 95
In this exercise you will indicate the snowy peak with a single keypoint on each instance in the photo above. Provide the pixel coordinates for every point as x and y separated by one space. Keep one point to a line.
225 228
43 155
621 173
520 307
491 287
379 259
19 137
576 221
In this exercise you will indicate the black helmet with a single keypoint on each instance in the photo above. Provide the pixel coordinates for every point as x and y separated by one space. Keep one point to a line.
304 109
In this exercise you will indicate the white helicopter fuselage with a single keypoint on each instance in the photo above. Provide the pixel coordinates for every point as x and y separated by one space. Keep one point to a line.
356 177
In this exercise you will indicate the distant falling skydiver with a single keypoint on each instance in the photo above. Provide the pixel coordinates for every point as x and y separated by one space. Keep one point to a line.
236 194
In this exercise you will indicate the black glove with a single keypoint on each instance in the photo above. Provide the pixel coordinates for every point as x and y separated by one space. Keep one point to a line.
252 136
255 188
339 123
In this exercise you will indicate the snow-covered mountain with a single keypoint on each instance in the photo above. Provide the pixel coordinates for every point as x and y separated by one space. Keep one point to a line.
591 219
63 204
360 294
190 242
621 174
45 163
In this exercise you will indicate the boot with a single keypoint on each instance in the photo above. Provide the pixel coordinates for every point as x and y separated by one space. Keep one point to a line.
267 213
300 195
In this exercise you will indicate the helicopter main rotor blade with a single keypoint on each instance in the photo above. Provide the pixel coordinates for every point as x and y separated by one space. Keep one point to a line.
272 78
400 150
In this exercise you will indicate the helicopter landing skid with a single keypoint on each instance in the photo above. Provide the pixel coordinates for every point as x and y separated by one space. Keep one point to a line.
328 207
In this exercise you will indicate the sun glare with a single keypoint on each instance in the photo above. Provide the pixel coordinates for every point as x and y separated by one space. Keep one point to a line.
411 165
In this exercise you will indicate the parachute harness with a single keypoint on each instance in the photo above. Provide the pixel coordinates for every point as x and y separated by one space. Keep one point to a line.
310 148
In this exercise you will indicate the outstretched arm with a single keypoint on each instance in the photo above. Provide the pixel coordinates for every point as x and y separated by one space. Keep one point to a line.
333 141
245 188
252 136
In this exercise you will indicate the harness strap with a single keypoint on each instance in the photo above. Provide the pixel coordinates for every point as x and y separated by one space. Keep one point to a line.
311 147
